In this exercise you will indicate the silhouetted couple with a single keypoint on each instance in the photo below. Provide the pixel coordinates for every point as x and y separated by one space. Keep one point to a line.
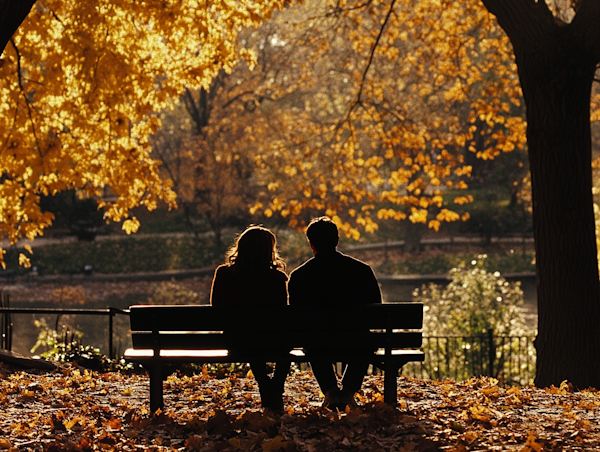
254 274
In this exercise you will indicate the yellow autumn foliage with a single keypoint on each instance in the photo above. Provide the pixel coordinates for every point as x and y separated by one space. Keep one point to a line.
376 104
80 87
399 92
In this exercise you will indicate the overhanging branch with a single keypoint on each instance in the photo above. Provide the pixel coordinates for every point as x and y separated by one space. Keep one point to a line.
523 20
587 23
24 93
373 49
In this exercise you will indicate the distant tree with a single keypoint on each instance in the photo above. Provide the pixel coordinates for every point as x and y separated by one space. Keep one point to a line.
211 137
211 171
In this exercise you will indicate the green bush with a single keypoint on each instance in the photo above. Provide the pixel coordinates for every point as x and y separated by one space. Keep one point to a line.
65 346
458 319
171 292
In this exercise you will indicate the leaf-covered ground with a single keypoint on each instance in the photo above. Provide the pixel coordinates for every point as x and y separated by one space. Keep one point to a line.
75 410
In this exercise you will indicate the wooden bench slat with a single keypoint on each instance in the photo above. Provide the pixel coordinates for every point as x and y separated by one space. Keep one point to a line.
281 318
269 340
132 353
223 356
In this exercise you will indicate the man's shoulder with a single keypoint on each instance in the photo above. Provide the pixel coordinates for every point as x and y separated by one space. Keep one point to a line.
303 268
352 261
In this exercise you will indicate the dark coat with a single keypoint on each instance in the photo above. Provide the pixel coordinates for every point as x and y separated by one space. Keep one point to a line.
333 279
260 288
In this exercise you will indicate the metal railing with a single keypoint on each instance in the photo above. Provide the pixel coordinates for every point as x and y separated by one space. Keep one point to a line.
510 359
6 320
5 324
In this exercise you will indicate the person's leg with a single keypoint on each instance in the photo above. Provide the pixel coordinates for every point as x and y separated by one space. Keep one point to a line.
265 385
325 375
353 378
282 369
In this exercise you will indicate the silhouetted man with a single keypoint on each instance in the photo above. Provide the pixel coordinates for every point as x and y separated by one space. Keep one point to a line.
331 278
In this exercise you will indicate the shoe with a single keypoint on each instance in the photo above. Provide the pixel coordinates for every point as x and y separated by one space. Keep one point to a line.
331 400
339 400
346 400
270 398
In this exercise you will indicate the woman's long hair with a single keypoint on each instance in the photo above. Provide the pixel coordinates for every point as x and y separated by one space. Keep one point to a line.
255 250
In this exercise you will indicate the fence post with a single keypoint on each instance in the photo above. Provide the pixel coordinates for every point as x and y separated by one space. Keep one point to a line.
6 324
491 352
111 317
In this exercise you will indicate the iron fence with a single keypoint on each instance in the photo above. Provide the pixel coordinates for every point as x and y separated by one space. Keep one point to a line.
6 321
510 359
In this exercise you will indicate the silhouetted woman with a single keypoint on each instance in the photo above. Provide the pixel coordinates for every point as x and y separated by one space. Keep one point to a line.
254 275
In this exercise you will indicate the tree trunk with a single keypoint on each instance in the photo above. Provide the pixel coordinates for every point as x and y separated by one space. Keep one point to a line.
12 14
559 138
556 63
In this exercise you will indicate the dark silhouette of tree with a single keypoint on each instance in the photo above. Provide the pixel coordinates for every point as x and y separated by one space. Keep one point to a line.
557 54
12 13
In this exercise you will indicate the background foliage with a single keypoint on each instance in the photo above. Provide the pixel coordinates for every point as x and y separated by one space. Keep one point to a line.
475 304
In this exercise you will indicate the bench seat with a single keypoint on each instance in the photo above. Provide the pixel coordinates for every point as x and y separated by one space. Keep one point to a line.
387 335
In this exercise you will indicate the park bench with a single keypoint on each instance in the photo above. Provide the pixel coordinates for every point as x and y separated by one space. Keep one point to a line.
166 335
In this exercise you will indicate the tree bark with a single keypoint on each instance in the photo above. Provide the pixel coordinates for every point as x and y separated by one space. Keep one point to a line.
12 14
556 64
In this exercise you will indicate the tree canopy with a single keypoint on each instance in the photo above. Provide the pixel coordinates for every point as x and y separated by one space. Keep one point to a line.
80 87
398 95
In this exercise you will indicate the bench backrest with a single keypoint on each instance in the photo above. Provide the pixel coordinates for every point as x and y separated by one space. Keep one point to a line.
170 327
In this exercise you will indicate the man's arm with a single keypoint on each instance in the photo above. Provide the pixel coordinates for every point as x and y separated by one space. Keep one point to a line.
296 290
372 290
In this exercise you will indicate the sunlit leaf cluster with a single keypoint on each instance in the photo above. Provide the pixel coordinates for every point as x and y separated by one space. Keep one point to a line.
390 96
80 85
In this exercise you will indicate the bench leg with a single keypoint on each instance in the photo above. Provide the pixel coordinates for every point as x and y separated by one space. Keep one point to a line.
156 388
390 385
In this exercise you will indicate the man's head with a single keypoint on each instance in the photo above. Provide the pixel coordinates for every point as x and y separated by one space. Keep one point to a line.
322 234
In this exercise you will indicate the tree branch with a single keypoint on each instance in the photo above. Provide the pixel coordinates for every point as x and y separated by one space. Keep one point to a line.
372 53
338 9
587 23
22 89
523 20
